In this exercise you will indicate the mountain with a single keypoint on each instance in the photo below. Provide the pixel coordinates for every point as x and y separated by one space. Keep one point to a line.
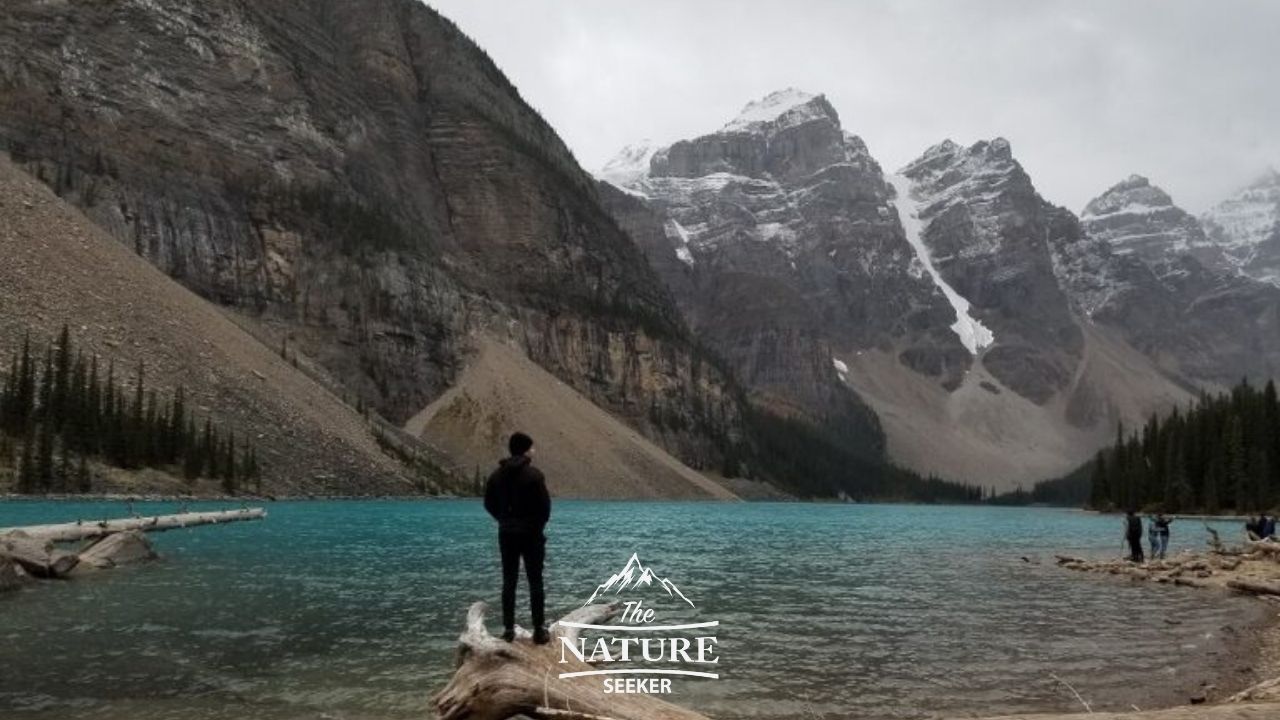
954 301
59 268
775 235
358 182
1246 227
1171 291
633 576
1134 216
583 450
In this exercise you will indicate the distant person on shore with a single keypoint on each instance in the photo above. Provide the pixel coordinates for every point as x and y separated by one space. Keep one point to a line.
516 496
1161 527
1133 534
1254 527
1267 527
1153 537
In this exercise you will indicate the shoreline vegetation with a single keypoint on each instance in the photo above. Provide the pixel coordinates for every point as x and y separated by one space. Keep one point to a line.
1220 454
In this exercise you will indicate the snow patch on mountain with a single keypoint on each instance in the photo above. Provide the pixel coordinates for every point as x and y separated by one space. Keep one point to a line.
972 333
842 369
1246 227
789 107
675 231
629 165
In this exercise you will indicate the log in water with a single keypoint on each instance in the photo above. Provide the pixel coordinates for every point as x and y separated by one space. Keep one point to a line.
84 530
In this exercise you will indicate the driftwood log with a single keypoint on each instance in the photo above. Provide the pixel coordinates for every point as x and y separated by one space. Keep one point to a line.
1256 587
1267 548
496 680
37 556
12 576
84 530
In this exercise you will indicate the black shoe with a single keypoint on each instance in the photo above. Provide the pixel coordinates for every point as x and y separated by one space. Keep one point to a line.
509 635
541 636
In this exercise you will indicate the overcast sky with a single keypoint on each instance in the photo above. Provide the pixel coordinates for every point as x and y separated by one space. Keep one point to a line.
1087 92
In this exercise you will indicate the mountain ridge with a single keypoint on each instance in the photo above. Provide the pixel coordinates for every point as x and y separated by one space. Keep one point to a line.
1045 307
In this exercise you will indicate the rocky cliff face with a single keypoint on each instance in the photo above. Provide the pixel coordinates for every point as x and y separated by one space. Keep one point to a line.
356 177
988 233
1246 227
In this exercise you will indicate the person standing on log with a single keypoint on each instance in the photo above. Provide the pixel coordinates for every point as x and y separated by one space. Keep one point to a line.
1133 534
516 496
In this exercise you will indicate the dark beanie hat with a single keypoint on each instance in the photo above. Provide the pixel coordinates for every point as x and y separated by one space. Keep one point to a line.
519 444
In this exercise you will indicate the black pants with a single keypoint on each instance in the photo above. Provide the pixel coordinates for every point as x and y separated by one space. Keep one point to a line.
532 546
1135 548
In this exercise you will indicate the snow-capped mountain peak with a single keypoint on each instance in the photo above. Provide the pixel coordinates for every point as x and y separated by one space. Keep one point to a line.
1246 227
636 574
630 164
786 107
1133 194
1137 216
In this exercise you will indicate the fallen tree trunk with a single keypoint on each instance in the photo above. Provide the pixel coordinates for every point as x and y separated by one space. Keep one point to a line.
85 530
1254 586
1266 547
37 556
496 680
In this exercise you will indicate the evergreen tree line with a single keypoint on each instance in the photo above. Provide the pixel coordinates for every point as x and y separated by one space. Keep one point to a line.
1223 453
59 408
833 462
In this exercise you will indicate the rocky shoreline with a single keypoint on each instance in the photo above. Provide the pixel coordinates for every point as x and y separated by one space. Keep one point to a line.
1252 569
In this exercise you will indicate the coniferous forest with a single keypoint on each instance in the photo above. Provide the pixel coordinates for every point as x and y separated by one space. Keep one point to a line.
1221 454
59 409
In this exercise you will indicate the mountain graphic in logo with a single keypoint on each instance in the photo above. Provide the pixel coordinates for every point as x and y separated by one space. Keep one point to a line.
636 575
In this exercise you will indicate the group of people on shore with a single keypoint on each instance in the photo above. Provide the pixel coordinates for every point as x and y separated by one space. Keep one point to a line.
1262 527
1157 535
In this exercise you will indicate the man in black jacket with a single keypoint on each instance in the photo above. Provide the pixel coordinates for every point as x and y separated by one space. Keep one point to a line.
516 496
1133 533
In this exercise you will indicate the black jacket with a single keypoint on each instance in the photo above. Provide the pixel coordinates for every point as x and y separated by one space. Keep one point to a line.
516 496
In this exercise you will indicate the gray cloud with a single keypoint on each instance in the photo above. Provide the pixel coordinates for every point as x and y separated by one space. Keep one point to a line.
1087 91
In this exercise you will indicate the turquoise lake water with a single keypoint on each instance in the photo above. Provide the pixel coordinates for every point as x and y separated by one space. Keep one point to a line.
352 610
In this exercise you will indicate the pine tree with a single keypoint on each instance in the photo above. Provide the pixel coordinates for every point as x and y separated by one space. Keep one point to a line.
44 456
64 470
46 388
229 466
1234 464
60 386
1099 492
27 474
210 446
84 482
24 408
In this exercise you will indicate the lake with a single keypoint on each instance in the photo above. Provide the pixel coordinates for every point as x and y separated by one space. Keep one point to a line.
351 609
